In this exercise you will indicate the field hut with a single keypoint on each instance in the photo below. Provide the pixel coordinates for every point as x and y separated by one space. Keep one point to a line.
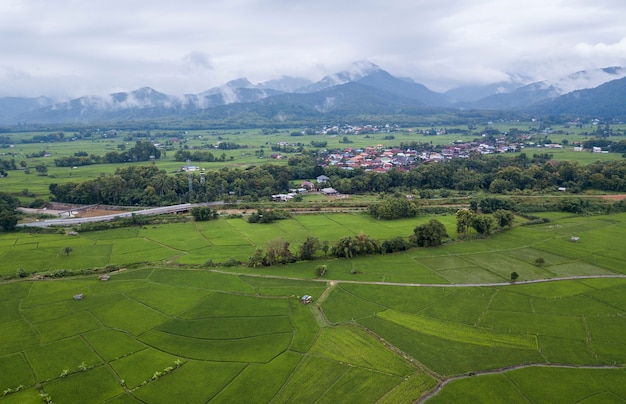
79 296
306 299
104 277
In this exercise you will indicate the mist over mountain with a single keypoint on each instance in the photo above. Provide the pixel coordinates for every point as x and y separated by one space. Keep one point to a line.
538 92
606 101
362 89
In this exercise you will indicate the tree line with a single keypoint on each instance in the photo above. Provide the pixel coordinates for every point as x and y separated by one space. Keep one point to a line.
495 174
430 234
142 151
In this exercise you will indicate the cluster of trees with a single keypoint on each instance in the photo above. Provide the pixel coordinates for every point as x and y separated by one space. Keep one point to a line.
484 224
6 165
605 144
496 174
196 155
149 186
268 215
128 186
430 234
8 214
278 252
350 246
203 213
394 207
142 151
228 146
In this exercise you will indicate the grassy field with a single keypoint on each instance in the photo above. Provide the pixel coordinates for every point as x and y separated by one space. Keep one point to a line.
164 332
482 261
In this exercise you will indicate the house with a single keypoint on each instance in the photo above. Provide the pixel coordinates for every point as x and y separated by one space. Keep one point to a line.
307 185
329 191
306 299
322 179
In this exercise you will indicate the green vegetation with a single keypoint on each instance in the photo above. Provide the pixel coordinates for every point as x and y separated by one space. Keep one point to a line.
146 332
399 306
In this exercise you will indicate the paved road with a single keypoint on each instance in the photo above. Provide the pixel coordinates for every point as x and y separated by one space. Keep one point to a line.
152 211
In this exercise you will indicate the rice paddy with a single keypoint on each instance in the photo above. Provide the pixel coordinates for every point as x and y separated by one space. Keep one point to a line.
391 331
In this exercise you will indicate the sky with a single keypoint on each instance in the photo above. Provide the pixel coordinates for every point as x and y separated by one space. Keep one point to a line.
70 48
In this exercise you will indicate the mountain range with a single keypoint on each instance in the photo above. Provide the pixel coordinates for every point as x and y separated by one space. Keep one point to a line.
364 90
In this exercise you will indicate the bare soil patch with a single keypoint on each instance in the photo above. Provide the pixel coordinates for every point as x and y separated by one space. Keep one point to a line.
98 212
615 198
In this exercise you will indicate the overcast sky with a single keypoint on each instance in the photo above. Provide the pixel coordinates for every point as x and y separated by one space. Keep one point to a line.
79 47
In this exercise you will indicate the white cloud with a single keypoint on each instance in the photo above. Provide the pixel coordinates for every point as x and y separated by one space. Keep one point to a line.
70 48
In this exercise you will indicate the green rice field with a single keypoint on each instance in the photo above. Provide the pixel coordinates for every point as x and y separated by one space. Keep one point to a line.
441 324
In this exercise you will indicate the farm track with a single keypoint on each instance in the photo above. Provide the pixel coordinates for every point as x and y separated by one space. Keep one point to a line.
429 285
442 384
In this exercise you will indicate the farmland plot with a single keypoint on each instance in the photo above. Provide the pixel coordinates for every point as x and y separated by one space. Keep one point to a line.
240 334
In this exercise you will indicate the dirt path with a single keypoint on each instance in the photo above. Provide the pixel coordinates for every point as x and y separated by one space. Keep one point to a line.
424 285
442 384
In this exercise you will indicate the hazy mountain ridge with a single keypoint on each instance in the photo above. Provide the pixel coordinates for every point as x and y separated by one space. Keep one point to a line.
541 91
364 88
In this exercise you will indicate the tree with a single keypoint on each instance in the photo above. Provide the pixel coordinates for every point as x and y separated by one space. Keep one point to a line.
8 220
349 246
395 244
256 260
464 219
514 276
325 247
539 261
42 169
393 208
278 252
309 247
504 218
321 270
345 247
430 234
8 214
203 213
67 250
483 224
367 245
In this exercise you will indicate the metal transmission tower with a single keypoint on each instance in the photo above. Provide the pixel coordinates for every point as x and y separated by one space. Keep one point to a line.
189 179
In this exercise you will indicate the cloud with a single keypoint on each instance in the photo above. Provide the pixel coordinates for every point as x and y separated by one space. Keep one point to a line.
97 47
197 59
615 50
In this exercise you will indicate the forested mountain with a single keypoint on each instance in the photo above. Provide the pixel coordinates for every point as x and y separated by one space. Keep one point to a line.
363 91
607 101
